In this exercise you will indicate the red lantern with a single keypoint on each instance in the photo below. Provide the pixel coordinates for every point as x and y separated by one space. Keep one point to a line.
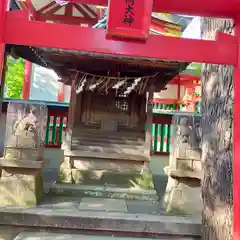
129 18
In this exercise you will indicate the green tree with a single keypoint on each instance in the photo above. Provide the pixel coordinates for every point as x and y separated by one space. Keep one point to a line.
14 77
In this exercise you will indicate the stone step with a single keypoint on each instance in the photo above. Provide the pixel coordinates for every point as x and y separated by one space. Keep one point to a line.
102 131
60 236
82 139
126 179
106 142
15 220
110 135
80 190
110 149
94 154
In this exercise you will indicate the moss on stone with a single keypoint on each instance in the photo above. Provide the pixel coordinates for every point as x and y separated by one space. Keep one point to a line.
21 190
145 180
77 175
39 189
65 175
29 204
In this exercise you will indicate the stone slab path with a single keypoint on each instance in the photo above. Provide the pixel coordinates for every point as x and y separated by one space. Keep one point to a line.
102 204
58 236
108 205
112 217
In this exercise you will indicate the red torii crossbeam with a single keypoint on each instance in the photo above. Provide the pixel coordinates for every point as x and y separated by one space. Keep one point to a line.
33 33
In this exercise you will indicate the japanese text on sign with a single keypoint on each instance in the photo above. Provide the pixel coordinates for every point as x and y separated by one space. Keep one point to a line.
129 13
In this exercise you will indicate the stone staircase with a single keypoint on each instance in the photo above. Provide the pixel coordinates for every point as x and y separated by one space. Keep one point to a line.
127 145
108 159
66 222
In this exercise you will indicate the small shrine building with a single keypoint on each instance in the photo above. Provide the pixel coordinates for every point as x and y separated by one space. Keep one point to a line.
110 115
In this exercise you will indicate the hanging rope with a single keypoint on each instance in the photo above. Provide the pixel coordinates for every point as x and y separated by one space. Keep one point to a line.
102 84
114 78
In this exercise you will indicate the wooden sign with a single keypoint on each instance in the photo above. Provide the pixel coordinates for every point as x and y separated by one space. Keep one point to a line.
129 18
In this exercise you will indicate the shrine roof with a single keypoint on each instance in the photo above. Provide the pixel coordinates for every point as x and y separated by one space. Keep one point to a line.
67 62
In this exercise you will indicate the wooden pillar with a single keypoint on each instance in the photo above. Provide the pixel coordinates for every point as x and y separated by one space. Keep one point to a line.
27 80
236 140
132 110
178 94
79 107
61 92
71 115
74 114
148 134
100 12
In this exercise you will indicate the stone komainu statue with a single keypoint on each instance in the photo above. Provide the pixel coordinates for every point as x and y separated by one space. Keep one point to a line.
24 139
186 137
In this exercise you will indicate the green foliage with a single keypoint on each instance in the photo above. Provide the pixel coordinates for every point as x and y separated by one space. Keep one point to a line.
14 77
195 66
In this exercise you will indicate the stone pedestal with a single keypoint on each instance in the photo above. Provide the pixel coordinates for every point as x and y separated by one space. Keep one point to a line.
21 183
183 193
183 196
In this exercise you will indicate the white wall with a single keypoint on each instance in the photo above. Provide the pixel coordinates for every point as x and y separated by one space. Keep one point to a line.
193 29
44 85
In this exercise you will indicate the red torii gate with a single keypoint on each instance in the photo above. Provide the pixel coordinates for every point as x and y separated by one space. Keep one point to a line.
17 28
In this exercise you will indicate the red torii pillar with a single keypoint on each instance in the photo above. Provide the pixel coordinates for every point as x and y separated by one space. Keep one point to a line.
236 140
4 6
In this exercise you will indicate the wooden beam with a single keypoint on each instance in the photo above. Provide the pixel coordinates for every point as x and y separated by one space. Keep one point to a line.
69 10
159 29
46 7
94 40
53 10
164 101
90 10
185 80
213 8
65 19
81 10
27 5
